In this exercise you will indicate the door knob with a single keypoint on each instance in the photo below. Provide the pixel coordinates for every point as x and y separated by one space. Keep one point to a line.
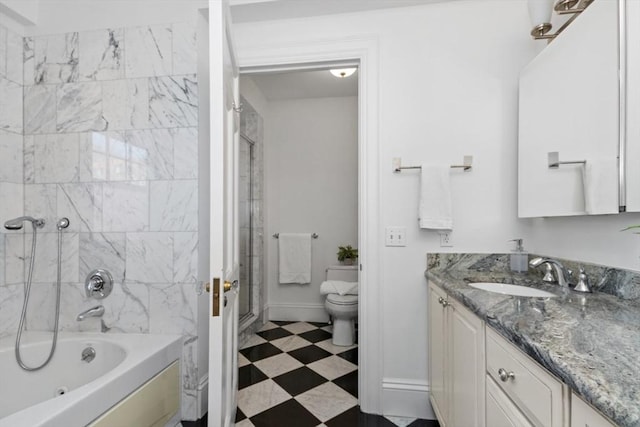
230 285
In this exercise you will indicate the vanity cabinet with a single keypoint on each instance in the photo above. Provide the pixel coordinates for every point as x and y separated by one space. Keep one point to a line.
478 378
456 362
583 415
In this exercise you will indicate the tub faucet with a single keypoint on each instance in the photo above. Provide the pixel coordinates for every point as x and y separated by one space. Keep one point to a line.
96 311
563 275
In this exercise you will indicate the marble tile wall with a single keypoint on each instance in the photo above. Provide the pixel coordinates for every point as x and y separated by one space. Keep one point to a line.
11 172
107 137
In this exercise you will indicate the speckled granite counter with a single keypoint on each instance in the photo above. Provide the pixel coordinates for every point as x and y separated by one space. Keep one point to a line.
589 341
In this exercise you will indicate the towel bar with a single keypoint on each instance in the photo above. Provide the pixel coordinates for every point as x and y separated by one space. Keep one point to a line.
314 235
467 164
553 158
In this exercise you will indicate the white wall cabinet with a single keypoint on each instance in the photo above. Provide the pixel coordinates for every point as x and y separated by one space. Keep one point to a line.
569 103
477 378
456 368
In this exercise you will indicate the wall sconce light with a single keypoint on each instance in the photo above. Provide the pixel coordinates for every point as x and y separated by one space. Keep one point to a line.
540 15
342 72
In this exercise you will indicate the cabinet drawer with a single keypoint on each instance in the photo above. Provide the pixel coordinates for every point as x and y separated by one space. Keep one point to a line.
538 394
501 412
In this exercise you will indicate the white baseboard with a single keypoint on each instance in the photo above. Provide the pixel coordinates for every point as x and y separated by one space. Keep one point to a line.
404 397
203 396
297 312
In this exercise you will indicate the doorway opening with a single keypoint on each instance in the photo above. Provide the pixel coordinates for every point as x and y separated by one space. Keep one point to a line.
309 140
299 149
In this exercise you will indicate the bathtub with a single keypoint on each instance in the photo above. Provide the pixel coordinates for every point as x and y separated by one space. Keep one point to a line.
73 392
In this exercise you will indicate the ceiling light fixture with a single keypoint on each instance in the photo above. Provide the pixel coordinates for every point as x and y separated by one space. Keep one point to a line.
540 15
342 72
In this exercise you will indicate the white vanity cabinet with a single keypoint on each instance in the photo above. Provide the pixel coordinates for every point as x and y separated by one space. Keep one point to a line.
456 362
437 354
583 415
478 378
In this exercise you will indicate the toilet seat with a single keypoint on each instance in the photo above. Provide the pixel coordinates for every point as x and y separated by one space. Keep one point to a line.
342 299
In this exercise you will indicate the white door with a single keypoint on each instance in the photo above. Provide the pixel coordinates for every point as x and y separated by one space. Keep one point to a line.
224 266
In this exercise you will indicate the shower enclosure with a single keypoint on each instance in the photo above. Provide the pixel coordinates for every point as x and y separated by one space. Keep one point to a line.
251 221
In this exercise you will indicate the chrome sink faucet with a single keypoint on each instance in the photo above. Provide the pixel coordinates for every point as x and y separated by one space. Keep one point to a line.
96 311
563 275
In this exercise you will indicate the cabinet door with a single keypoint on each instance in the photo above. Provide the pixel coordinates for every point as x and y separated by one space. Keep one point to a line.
437 353
501 412
467 367
583 415
578 117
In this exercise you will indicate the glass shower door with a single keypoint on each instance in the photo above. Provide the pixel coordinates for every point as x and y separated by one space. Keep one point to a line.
245 223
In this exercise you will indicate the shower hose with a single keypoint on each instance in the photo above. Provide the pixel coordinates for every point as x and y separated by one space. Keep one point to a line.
25 304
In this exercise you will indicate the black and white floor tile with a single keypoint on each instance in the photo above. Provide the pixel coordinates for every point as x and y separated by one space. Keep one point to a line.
291 375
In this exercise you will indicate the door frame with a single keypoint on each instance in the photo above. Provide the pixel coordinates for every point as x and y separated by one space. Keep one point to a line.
364 52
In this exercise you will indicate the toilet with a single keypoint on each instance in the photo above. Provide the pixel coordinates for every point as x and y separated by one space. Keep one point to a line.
343 309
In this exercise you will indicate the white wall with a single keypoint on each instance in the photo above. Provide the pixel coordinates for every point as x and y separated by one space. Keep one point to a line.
311 185
253 95
448 88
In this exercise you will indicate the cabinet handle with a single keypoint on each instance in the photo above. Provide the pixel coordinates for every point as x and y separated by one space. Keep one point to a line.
443 302
505 376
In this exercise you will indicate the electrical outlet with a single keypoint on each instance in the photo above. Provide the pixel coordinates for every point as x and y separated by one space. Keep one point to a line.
396 236
445 239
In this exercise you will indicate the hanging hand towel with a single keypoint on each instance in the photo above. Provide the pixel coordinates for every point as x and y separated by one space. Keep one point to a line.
295 258
338 287
599 197
435 210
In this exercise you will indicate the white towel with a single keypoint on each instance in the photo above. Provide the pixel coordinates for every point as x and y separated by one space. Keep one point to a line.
338 287
295 258
435 210
599 197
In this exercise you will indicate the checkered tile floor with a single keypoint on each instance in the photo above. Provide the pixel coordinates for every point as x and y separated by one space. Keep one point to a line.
291 375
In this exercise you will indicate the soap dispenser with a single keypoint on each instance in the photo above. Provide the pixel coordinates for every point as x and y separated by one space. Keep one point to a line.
519 258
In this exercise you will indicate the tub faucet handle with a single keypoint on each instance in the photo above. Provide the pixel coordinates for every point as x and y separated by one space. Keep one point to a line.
98 284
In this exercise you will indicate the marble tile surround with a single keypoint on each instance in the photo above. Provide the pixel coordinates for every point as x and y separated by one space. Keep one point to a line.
11 175
104 133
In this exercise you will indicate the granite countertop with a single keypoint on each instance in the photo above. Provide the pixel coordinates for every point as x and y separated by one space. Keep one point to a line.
590 341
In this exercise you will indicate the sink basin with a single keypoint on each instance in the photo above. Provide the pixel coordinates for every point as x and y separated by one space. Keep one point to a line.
515 290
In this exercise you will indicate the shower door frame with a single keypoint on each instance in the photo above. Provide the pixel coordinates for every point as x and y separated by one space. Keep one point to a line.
248 318
363 53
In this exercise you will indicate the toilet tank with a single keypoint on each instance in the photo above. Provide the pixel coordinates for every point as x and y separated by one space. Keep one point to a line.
346 273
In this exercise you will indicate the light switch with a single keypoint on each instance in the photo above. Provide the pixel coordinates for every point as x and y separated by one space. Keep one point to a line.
396 236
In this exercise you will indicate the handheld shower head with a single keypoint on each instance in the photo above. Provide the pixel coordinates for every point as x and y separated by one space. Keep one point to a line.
17 223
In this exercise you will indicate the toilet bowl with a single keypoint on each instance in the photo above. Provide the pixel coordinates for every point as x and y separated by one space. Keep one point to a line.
343 309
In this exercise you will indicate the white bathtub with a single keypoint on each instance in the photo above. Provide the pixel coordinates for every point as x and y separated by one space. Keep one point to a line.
72 392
